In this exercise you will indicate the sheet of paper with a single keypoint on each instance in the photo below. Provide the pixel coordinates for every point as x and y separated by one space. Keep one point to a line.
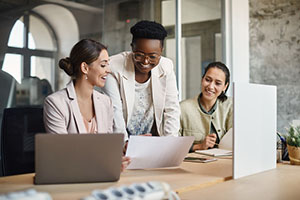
215 152
226 141
157 152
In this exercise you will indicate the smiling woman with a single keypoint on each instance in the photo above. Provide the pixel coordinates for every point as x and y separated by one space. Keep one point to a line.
142 85
78 108
208 116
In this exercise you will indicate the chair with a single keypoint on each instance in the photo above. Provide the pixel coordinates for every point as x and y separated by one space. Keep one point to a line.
7 98
19 126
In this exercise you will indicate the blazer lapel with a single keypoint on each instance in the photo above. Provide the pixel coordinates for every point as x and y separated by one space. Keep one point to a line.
75 108
158 83
99 112
128 82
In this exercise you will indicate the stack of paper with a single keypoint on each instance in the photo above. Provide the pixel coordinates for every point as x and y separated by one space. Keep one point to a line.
157 152
215 152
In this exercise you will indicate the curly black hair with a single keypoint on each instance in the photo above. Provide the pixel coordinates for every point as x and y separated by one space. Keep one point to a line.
149 30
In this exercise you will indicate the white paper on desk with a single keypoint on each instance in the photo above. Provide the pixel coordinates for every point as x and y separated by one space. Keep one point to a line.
226 141
157 152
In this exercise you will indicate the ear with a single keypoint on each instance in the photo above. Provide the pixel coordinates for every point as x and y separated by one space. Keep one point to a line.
84 68
132 46
225 87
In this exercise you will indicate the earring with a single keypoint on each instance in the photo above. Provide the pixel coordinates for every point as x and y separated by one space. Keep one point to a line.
86 78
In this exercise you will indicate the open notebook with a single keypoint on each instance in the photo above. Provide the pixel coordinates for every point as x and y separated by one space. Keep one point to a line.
215 152
225 146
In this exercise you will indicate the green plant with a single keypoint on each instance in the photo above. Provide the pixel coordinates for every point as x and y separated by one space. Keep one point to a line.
293 136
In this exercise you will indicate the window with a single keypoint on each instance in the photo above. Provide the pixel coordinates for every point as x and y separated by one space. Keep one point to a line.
32 49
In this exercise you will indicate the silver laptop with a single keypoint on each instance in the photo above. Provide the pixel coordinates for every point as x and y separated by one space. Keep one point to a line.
77 158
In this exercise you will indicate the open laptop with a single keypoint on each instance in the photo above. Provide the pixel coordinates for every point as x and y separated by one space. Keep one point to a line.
77 158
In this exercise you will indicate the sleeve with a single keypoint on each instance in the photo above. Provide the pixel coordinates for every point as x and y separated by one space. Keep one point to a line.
110 117
112 89
172 108
54 119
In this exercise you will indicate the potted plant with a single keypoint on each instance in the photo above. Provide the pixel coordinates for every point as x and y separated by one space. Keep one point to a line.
293 144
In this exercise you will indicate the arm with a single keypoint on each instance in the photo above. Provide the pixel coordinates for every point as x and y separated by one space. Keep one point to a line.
172 109
112 89
54 119
110 116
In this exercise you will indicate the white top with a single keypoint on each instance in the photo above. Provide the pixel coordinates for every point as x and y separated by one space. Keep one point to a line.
141 120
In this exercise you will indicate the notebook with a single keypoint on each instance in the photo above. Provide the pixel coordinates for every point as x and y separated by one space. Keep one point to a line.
215 152
77 158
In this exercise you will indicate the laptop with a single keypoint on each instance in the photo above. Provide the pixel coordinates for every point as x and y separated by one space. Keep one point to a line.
77 158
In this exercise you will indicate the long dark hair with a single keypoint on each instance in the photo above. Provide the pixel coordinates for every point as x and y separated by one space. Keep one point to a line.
85 50
222 97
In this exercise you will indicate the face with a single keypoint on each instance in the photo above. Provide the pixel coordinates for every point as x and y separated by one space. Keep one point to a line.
146 54
99 69
213 83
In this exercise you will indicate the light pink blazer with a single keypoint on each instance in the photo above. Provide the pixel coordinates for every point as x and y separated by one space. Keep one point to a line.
62 114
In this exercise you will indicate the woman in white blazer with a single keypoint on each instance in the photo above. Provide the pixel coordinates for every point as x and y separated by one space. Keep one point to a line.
79 108
142 85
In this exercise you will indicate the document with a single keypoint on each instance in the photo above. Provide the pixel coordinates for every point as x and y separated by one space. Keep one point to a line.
157 152
226 141
215 152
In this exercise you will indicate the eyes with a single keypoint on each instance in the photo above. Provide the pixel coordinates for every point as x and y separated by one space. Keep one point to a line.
209 80
104 64
138 56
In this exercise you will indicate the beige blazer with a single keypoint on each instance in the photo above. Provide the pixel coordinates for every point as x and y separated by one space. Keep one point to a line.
120 86
62 114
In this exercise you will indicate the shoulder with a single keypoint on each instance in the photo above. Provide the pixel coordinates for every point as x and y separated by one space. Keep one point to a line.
56 97
228 103
118 61
166 65
189 104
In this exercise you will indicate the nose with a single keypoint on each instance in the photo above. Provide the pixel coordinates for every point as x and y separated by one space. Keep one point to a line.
108 69
146 60
211 85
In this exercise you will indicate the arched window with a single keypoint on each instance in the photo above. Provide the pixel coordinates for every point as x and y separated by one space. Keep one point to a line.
32 49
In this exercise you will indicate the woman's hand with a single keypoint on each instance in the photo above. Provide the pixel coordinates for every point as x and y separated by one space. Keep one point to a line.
125 162
208 142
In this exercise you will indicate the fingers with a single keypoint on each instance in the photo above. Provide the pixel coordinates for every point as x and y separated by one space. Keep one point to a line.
210 140
125 148
125 162
147 134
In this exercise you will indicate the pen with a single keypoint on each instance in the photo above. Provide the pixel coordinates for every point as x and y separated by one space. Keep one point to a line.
281 138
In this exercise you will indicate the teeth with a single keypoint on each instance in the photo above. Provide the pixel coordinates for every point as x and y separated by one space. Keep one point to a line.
145 66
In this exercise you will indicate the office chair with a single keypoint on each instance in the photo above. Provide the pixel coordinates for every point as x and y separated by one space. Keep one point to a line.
19 126
7 98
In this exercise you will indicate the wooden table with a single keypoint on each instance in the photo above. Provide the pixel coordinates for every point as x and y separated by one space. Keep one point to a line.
276 184
188 177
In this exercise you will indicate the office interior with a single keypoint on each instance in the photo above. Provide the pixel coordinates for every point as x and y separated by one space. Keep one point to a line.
259 40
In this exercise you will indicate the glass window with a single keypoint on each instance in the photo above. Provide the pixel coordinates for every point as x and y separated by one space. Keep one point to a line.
13 65
16 37
201 41
41 67
37 28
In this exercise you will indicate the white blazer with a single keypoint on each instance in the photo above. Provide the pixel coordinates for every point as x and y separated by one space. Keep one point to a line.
62 114
120 86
